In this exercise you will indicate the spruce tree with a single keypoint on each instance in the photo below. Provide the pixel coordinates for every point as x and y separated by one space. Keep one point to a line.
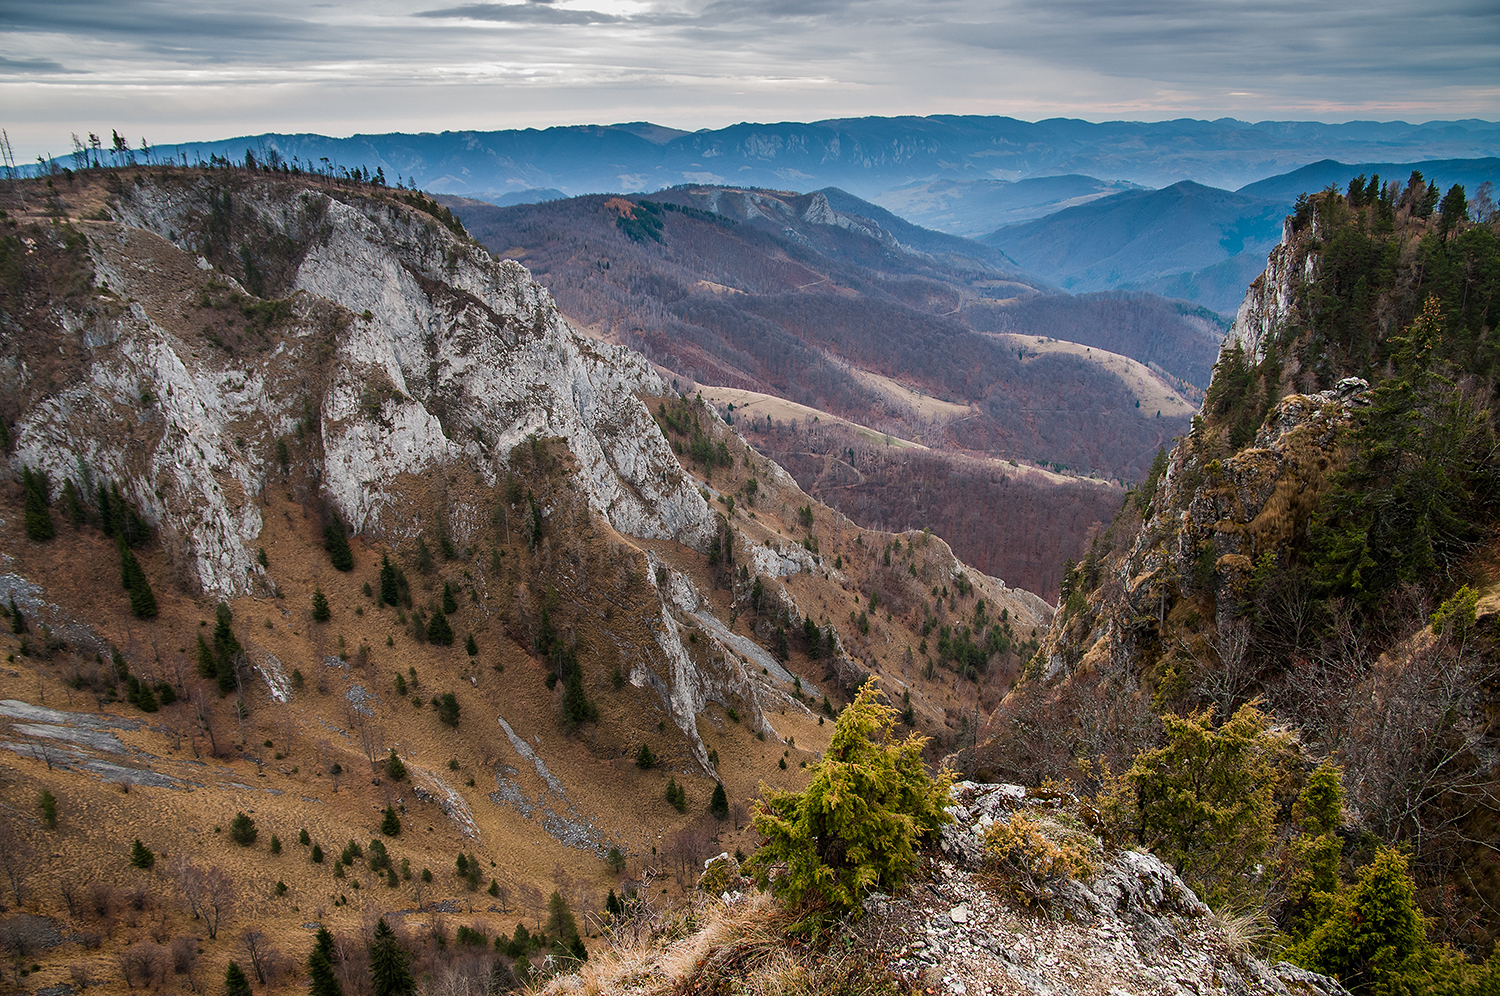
17 620
390 593
718 806
72 504
447 709
337 545
394 768
142 598
39 527
320 611
576 705
439 631
226 649
235 983
389 974
471 647
390 825
450 604
242 830
325 982
141 856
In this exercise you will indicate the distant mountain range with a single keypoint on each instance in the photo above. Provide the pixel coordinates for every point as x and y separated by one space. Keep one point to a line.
1071 202
866 156
1188 241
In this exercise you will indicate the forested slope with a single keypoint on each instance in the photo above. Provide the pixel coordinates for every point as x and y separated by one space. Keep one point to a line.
1302 598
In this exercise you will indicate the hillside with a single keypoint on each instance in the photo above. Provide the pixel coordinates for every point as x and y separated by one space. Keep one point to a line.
787 295
1310 576
1142 235
974 208
301 481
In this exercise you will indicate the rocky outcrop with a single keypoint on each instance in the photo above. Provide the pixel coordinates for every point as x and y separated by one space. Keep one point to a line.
1132 928
1269 303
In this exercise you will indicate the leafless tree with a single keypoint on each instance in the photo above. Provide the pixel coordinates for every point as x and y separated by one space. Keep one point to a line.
16 858
209 893
203 712
256 948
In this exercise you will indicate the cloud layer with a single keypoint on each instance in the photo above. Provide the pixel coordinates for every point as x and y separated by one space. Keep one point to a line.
201 69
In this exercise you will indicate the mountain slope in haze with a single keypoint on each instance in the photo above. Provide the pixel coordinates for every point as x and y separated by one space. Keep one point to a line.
864 155
975 208
780 294
1316 176
1141 235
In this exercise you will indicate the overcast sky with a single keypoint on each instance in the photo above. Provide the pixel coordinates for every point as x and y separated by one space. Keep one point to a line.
178 70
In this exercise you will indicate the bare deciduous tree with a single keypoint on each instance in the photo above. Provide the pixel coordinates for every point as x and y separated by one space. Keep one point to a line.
16 858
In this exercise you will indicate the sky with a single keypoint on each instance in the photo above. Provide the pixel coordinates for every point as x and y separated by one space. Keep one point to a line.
182 70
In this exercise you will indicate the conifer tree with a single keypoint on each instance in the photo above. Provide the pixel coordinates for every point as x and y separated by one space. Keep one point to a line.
142 598
576 705
389 974
38 519
17 620
447 709
870 798
320 610
235 983
450 604
563 928
439 631
390 824
394 768
718 806
471 647
72 504
325 982
141 856
337 545
226 649
390 594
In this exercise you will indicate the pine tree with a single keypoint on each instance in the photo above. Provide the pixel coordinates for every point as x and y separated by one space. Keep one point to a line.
439 631
389 974
141 856
562 928
325 982
39 527
718 806
320 611
235 983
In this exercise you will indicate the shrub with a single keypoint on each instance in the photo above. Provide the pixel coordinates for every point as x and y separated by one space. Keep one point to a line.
275 844
317 854
1206 802
1033 852
242 830
856 826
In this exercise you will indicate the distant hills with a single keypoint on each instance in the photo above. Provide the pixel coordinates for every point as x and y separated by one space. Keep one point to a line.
1189 241
974 208
866 156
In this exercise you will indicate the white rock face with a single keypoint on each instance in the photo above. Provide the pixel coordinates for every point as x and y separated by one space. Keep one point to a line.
1268 302
460 358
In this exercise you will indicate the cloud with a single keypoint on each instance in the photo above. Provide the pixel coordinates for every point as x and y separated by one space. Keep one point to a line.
33 66
539 12
379 65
